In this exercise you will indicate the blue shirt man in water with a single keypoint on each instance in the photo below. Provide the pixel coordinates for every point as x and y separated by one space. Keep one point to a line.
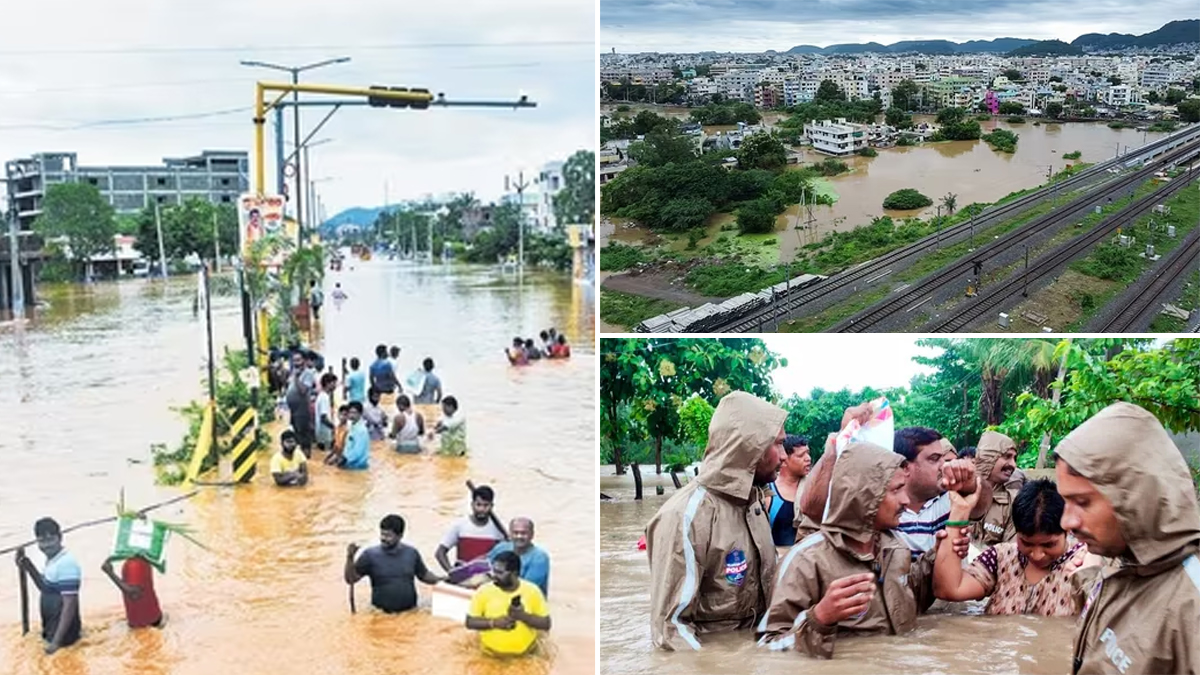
358 440
356 382
535 562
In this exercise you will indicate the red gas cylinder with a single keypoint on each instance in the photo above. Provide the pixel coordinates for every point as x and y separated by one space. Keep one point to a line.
144 611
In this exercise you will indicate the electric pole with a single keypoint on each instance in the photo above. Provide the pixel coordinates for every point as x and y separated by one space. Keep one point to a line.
520 184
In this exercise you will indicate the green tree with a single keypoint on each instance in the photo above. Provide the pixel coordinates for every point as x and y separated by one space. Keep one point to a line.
950 202
1054 110
1175 96
1114 80
1013 75
1189 110
905 199
1163 380
951 115
660 148
895 117
756 217
694 417
576 203
762 151
829 92
1012 108
1152 97
686 213
904 93
79 213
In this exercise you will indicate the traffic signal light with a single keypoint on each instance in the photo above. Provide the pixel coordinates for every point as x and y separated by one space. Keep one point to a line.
380 102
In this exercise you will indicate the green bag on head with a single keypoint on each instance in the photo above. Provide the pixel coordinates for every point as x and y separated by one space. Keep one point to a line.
137 537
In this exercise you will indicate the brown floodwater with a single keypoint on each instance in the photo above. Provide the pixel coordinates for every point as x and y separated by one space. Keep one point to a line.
89 386
952 638
969 169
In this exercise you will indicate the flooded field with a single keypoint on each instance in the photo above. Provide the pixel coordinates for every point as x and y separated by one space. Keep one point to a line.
89 385
948 640
969 169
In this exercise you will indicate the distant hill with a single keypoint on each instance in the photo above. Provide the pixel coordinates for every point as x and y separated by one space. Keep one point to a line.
1175 32
924 47
358 215
1047 48
855 48
999 45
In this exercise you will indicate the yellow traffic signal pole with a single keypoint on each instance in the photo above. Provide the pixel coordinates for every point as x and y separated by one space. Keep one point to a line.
417 98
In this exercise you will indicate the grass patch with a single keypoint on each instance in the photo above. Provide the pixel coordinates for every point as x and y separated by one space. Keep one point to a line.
616 257
1072 155
832 315
731 278
628 310
1015 120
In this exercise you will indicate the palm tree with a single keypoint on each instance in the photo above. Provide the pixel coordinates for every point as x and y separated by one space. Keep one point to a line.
950 202
1002 361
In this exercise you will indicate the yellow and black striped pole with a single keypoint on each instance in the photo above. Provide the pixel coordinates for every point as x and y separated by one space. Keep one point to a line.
243 436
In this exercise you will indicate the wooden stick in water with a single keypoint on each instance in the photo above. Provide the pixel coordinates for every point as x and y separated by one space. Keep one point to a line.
101 521
24 601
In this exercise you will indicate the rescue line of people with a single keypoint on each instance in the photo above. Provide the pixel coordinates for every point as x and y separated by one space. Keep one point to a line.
870 537
525 351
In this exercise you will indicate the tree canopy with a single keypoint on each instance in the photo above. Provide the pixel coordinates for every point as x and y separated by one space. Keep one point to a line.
80 213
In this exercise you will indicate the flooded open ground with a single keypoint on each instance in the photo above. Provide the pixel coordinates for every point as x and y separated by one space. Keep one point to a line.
971 170
87 388
947 640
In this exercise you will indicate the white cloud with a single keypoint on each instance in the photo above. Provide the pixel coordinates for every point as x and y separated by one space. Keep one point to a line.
125 59
832 362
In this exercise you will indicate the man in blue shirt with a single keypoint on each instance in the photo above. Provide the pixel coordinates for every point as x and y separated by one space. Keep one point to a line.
383 377
535 562
356 382
357 453
59 585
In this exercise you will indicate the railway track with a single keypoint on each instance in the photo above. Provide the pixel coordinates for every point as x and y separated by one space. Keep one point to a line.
1047 264
1149 294
882 266
923 291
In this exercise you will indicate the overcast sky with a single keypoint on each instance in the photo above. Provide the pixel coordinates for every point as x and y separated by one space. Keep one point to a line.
833 363
76 62
759 25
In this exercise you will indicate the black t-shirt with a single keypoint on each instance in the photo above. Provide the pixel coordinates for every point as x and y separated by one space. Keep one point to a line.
392 573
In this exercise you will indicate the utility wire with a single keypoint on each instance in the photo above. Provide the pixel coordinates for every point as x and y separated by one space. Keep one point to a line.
129 121
252 49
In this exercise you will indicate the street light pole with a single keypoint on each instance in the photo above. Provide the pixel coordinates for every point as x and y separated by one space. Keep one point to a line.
300 173
520 184
1025 293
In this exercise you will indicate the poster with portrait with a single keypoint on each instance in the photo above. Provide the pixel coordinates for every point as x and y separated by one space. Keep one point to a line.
260 217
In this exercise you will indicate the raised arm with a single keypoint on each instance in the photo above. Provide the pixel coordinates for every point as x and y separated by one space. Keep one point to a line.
949 582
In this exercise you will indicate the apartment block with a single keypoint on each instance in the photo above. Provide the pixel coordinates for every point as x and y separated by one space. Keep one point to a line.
836 138
216 176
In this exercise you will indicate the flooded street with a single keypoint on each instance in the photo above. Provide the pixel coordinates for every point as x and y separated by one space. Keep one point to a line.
945 641
972 170
88 387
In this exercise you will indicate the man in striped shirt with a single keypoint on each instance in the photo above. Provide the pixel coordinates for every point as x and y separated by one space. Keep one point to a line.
931 473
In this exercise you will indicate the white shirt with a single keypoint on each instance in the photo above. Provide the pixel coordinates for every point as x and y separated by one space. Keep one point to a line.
918 530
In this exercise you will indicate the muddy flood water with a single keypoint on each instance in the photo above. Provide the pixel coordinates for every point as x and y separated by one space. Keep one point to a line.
972 170
952 638
87 388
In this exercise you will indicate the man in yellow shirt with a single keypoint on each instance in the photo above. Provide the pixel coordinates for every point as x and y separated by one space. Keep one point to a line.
289 467
509 611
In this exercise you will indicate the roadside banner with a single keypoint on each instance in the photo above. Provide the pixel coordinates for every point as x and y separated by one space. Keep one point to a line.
260 217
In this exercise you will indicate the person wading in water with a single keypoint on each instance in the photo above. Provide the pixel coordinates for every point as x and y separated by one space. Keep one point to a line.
782 507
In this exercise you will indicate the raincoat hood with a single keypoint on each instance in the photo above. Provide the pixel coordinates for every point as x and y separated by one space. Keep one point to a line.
1125 452
991 445
743 427
859 483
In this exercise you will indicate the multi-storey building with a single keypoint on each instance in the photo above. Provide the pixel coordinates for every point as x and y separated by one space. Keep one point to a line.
214 176
768 96
836 138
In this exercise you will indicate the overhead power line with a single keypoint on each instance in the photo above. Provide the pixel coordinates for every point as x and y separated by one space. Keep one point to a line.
254 48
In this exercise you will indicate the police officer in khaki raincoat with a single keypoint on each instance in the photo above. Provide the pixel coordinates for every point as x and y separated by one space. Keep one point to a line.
711 554
995 462
1129 496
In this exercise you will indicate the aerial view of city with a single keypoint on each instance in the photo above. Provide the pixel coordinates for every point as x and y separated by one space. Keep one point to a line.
850 167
